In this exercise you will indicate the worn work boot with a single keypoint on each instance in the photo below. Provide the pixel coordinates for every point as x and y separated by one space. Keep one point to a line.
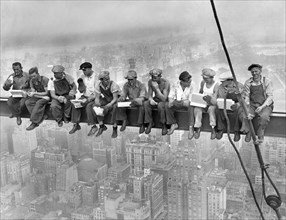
101 129
141 129
75 128
191 133
197 133
213 134
236 136
248 137
164 129
123 127
219 134
32 126
60 123
148 129
19 120
172 129
114 132
93 130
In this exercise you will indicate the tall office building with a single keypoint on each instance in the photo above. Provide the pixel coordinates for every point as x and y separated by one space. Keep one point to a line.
143 153
104 154
3 168
24 141
66 175
176 137
216 202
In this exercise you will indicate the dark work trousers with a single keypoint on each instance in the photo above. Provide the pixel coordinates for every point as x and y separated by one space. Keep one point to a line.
61 110
76 113
36 107
263 118
221 120
170 113
16 105
122 115
148 111
111 111
91 116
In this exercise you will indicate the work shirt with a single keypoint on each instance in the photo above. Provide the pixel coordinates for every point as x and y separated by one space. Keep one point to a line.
18 81
177 93
136 91
107 92
267 89
39 83
90 82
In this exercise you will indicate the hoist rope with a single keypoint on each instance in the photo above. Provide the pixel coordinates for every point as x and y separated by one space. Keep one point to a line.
273 201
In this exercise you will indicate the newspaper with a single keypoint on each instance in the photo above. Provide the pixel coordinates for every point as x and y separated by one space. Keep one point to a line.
16 93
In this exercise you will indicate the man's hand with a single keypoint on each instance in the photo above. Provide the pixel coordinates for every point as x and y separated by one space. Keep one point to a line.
170 104
120 99
31 94
259 109
207 99
61 99
9 82
152 102
186 103
72 93
154 85
234 107
25 94
250 116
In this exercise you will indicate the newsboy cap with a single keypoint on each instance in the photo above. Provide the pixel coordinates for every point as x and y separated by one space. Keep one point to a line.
103 74
85 65
225 76
58 69
131 74
185 76
207 72
254 65
156 72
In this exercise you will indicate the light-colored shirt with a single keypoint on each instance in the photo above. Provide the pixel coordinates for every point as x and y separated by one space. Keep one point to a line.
90 82
177 93
267 87
51 86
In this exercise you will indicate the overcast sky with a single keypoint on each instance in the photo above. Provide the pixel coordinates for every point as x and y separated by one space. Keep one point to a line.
38 23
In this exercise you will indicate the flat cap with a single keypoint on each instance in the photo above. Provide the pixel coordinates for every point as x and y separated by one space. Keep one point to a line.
58 69
185 76
254 65
85 65
207 72
131 74
156 72
103 74
225 76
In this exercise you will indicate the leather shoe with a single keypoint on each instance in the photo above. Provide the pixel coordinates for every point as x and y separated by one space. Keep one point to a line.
123 127
19 120
197 133
164 129
60 123
172 129
93 130
75 128
66 120
213 134
236 136
11 116
219 134
101 129
32 126
191 133
248 137
114 132
142 129
148 130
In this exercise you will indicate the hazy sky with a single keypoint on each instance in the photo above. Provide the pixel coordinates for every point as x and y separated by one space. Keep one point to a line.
42 23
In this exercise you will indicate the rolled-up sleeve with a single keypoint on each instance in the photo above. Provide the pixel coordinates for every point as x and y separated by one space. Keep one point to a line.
268 92
142 91
115 87
246 91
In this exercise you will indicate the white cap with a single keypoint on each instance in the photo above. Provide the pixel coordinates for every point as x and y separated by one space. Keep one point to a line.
225 76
